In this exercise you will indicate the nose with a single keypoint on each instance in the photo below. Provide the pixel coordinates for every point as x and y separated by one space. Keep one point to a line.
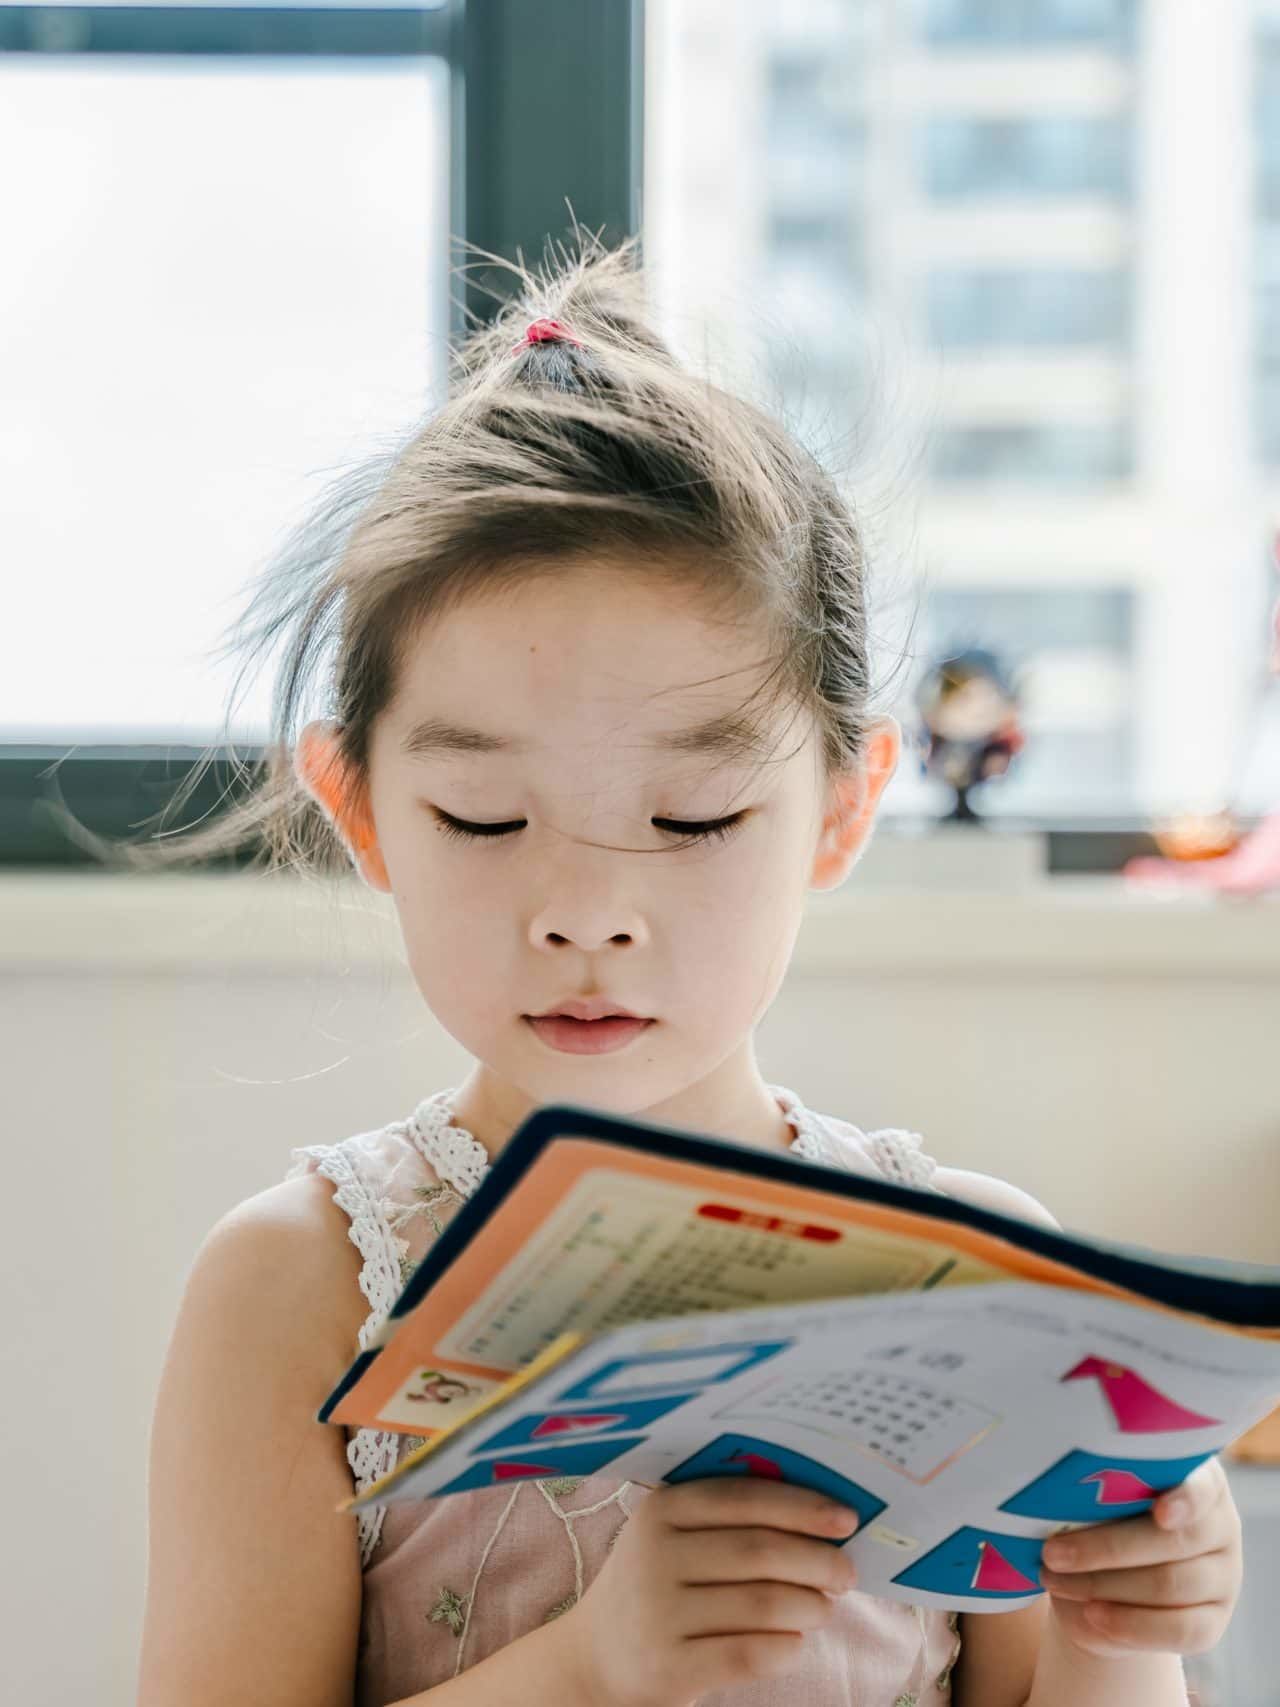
578 924
588 916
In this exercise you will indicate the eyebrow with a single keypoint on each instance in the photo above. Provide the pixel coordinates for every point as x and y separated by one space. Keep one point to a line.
728 736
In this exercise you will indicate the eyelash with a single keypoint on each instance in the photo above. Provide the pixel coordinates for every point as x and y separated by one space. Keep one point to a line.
458 829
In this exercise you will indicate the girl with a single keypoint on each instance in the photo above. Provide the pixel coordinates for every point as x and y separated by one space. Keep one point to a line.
599 723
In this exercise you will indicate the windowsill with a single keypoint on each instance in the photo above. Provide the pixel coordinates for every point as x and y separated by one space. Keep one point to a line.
211 921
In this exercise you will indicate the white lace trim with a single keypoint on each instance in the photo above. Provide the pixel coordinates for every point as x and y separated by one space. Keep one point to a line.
459 1159
897 1153
371 1453
462 1161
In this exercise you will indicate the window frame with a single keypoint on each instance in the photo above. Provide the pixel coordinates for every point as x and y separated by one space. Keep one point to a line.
526 147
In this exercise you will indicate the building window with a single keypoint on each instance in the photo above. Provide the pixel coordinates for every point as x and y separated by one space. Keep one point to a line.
1039 307
1063 156
1027 22
1031 453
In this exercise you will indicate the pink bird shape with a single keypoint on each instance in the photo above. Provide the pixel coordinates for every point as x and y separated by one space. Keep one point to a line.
1120 1487
755 1464
1138 1407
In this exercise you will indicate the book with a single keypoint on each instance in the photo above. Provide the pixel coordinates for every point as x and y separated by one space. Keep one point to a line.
636 1301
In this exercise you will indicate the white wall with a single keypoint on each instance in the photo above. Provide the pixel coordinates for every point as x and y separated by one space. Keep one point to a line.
166 1043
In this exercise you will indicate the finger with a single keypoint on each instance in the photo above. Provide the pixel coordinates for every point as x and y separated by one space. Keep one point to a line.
1128 1542
717 1502
1194 1498
745 1555
734 1609
1177 1582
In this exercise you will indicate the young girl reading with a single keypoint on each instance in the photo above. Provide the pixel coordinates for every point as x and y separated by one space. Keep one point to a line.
599 723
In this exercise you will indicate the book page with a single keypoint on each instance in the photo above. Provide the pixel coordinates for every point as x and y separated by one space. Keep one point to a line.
963 1426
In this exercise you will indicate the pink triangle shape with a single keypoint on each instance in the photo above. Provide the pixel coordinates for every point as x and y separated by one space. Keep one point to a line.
507 1468
569 1421
995 1572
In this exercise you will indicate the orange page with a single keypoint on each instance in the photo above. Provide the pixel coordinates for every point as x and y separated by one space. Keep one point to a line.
596 1234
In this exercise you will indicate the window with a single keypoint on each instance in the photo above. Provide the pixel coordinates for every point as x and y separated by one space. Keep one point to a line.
1026 22
1065 156
237 283
1033 453
200 334
1266 241
984 393
1037 306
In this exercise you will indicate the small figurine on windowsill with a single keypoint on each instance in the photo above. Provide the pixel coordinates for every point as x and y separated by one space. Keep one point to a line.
969 711
1209 853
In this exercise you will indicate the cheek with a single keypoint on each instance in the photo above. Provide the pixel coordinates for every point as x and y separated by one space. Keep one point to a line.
449 924
742 917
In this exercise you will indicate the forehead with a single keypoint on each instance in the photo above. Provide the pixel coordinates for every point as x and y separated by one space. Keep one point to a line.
732 737
580 658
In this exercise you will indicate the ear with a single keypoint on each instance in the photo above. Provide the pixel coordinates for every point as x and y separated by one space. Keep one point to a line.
851 806
317 763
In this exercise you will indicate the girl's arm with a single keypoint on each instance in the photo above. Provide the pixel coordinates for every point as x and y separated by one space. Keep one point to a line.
253 1577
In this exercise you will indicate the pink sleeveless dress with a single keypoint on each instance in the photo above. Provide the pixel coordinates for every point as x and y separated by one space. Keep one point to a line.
449 1581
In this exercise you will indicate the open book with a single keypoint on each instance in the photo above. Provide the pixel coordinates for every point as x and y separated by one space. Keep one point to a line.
648 1304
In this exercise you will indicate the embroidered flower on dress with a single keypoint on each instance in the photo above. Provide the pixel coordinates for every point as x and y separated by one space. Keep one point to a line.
562 1484
943 1679
560 1607
451 1608
429 1196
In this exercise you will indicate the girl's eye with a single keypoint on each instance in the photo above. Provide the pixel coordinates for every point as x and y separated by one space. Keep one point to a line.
717 828
471 832
721 828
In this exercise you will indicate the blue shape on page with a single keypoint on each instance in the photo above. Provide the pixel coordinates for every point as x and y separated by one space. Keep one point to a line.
670 1369
1084 1487
745 1455
538 1462
569 1422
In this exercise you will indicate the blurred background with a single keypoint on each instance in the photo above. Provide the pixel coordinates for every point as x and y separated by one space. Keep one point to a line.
1011 267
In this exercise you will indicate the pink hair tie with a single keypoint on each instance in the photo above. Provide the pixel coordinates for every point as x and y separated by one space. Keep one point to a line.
546 332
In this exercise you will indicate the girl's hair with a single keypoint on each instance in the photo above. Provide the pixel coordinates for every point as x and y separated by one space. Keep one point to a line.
543 456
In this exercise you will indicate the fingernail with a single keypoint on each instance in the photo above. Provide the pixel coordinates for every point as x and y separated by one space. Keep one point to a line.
842 1514
1176 1511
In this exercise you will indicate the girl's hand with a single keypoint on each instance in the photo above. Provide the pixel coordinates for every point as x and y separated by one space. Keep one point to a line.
1136 1585
710 1583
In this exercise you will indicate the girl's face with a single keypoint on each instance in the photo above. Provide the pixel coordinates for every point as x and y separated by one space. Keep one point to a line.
586 676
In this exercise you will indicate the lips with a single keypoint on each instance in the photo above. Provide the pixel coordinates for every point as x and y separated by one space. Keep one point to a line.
588 1008
572 1036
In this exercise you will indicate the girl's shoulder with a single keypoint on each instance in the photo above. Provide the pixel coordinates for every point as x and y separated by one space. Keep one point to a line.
396 1187
892 1152
901 1155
